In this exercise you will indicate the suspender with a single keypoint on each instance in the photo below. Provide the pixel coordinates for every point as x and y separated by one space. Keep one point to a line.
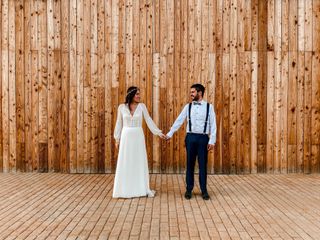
206 122
190 104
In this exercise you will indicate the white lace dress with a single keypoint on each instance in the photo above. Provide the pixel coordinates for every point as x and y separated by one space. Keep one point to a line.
132 174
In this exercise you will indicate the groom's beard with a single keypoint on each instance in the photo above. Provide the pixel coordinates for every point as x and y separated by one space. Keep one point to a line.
195 98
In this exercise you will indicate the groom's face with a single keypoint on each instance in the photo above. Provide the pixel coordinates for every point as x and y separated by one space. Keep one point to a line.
194 94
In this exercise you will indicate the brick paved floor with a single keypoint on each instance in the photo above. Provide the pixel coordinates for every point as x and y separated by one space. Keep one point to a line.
65 206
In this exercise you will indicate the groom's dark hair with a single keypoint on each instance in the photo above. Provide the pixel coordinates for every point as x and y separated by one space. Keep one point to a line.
199 87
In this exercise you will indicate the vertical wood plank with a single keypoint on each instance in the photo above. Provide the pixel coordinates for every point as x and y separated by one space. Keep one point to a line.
87 82
57 85
80 86
285 25
315 117
114 68
248 26
308 15
246 114
284 112
100 83
293 25
271 25
212 24
255 24
219 24
73 88
156 24
35 84
19 74
65 76
198 25
191 42
28 87
35 108
262 84
43 86
163 104
129 42
270 114
107 86
12 88
218 106
301 24
278 103
149 59
1 129
300 111
51 94
292 115
277 85
94 87
156 110
5 85
226 22
136 42
315 25
177 83
212 86
143 56
233 102
254 112
226 168
307 112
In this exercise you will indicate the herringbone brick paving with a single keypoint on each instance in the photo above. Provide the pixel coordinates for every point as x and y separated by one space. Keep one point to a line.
70 206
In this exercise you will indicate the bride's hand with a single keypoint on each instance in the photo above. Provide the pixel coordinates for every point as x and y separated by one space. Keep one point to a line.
117 146
162 136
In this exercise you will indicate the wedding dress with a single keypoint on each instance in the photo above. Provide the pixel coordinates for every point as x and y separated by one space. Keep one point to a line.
132 174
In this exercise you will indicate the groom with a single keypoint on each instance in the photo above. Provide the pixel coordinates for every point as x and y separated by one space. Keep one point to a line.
201 137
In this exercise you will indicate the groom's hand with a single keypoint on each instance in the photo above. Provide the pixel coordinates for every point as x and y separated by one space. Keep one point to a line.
162 136
210 147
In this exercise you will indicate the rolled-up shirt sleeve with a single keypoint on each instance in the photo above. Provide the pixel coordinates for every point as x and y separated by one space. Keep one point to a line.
178 122
213 126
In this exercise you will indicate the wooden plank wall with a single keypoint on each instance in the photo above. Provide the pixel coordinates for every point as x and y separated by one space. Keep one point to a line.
65 67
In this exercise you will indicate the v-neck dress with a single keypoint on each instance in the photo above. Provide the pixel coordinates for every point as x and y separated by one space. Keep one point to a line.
132 174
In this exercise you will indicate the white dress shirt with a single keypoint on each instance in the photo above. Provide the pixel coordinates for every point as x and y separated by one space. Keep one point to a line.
198 118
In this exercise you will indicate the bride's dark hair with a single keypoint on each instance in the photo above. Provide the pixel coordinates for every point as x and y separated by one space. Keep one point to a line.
131 92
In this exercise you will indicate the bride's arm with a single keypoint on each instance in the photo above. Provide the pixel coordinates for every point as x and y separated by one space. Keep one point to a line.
118 127
150 123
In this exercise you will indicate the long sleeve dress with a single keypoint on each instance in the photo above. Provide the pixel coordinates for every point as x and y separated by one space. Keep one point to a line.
132 174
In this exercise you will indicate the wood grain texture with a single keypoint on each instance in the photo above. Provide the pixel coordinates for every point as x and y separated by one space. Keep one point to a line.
66 65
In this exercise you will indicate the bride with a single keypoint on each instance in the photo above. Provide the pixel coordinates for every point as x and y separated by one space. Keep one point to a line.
132 174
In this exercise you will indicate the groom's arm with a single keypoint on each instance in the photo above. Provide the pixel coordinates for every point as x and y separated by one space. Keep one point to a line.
213 126
178 122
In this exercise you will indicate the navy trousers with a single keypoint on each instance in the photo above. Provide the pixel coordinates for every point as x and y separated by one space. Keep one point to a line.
196 145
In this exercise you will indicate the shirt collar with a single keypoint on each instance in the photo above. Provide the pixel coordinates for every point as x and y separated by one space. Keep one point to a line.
201 102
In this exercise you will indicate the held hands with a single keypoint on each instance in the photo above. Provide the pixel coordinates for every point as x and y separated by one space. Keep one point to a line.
164 137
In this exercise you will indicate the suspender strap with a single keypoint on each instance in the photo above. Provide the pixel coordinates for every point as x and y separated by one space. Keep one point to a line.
206 122
190 104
